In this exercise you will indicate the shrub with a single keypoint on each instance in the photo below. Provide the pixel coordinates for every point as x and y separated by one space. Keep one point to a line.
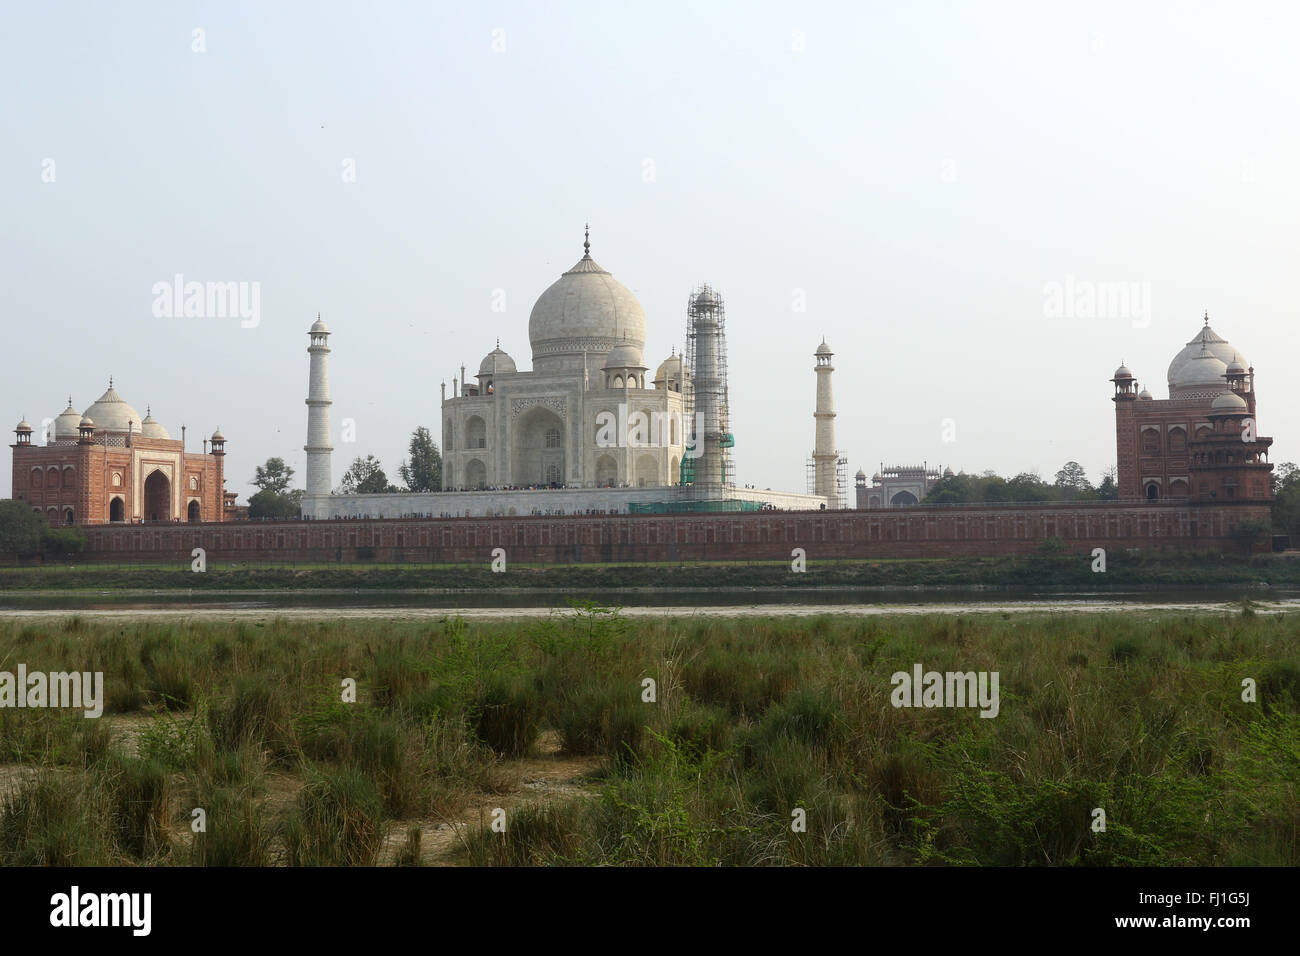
338 821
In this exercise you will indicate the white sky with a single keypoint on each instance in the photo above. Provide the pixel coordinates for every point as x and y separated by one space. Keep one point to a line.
920 171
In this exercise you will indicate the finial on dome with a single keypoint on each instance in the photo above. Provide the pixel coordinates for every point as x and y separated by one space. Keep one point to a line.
1207 318
498 343
586 240
110 381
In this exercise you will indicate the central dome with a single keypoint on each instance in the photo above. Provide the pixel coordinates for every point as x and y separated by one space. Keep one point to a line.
585 310
112 413
1197 371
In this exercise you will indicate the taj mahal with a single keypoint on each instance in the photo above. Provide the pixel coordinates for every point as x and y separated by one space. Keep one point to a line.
589 428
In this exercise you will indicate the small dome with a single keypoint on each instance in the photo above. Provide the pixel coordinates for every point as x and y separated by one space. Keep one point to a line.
947 473
1235 367
1145 396
497 362
860 474
624 356
150 428
1122 373
1229 403
670 371
318 327
823 349
87 421
876 477
217 436
706 298
65 426
23 426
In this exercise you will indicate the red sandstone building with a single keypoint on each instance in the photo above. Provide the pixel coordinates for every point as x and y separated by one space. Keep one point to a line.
1202 443
109 465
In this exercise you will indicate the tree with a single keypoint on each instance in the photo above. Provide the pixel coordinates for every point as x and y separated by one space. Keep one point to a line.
62 542
274 476
1108 490
365 477
275 499
1071 475
1286 501
1027 486
1073 482
271 504
21 528
422 471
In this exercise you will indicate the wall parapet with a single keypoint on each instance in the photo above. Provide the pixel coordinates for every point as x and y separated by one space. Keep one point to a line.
916 532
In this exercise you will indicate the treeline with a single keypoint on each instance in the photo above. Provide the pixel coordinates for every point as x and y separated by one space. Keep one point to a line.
420 471
1286 501
24 533
1071 484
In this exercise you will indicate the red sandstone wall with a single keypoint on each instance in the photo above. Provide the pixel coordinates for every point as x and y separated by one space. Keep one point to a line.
899 533
91 487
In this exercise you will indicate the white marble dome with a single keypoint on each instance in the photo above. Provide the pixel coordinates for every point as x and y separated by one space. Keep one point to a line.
624 356
497 362
152 428
111 413
1201 364
1229 403
586 309
65 426
669 372
1202 372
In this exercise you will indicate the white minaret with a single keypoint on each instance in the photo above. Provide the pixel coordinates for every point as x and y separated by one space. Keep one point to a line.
824 453
318 447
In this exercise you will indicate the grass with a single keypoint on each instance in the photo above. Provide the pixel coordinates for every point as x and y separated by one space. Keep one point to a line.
768 741
1124 570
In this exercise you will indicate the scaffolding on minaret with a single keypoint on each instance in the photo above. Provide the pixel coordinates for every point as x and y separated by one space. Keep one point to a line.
711 472
841 477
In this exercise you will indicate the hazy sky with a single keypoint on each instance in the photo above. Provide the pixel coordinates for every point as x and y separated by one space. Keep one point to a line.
918 175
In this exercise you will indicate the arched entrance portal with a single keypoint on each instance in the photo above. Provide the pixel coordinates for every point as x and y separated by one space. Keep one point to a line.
538 453
116 510
157 497
194 511
903 499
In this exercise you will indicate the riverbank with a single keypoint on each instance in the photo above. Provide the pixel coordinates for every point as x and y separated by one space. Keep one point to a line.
1122 572
598 740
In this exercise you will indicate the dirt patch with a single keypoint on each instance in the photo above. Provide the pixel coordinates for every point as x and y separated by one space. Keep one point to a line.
548 777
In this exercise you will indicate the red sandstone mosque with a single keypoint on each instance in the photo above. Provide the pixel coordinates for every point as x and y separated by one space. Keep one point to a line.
1200 444
110 465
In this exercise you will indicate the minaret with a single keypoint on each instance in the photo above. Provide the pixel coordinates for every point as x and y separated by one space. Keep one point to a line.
318 447
824 454
711 468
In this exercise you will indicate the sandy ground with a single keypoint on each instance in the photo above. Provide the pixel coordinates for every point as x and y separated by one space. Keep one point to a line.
719 611
550 777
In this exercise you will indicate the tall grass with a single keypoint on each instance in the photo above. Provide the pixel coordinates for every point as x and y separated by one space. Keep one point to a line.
769 741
